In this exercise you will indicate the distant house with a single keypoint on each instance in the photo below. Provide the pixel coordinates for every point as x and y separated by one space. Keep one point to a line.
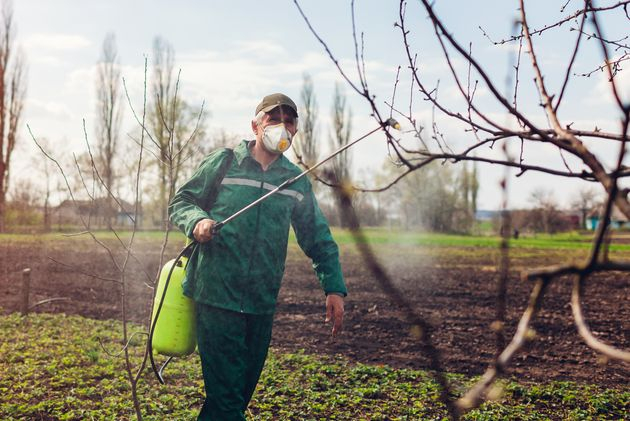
617 219
572 219
95 213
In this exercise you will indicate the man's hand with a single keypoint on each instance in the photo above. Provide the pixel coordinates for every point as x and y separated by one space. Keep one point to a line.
334 312
203 230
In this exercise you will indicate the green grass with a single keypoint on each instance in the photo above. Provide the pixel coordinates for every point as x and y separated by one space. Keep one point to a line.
101 235
374 236
383 236
52 367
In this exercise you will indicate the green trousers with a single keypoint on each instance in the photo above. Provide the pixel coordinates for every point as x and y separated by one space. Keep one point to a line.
233 348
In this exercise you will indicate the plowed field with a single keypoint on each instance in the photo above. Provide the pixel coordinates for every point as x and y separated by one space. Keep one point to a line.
454 288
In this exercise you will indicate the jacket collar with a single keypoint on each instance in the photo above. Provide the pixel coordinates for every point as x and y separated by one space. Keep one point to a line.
243 151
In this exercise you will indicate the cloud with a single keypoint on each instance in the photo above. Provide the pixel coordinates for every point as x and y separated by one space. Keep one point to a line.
46 60
234 79
47 109
56 41
81 80
260 48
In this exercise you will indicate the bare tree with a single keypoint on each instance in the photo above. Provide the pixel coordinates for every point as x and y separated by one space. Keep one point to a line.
220 139
45 172
342 129
23 201
120 253
109 114
474 188
306 146
546 214
163 86
368 209
175 127
12 93
47 192
467 198
586 201
508 119
437 199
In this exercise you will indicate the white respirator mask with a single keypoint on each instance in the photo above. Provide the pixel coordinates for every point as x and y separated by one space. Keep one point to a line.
276 138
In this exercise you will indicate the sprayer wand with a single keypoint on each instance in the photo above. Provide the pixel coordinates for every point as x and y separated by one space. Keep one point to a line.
388 123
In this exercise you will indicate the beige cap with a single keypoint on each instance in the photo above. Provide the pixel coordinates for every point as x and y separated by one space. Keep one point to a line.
272 101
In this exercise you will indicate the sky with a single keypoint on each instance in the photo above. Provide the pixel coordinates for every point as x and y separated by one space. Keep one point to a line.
231 54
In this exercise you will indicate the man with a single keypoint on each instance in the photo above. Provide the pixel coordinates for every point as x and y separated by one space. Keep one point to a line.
234 276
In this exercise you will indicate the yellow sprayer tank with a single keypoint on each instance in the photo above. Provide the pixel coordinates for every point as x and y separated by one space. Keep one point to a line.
174 334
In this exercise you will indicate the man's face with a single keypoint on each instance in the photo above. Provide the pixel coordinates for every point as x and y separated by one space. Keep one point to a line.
279 115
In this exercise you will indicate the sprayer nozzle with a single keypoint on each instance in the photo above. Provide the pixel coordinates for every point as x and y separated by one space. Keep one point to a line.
393 123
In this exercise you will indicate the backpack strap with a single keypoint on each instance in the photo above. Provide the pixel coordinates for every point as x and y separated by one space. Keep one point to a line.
216 185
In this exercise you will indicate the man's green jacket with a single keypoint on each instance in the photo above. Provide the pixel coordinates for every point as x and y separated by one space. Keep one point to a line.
241 268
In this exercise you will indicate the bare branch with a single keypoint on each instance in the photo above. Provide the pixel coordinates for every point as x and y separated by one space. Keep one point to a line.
580 12
585 332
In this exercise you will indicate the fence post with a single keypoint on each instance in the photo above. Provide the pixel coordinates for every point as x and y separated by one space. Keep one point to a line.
26 287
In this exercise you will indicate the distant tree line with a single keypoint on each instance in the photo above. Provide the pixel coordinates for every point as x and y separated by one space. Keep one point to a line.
445 202
443 198
545 215
169 131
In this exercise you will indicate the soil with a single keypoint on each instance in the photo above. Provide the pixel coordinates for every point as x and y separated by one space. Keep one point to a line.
454 290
